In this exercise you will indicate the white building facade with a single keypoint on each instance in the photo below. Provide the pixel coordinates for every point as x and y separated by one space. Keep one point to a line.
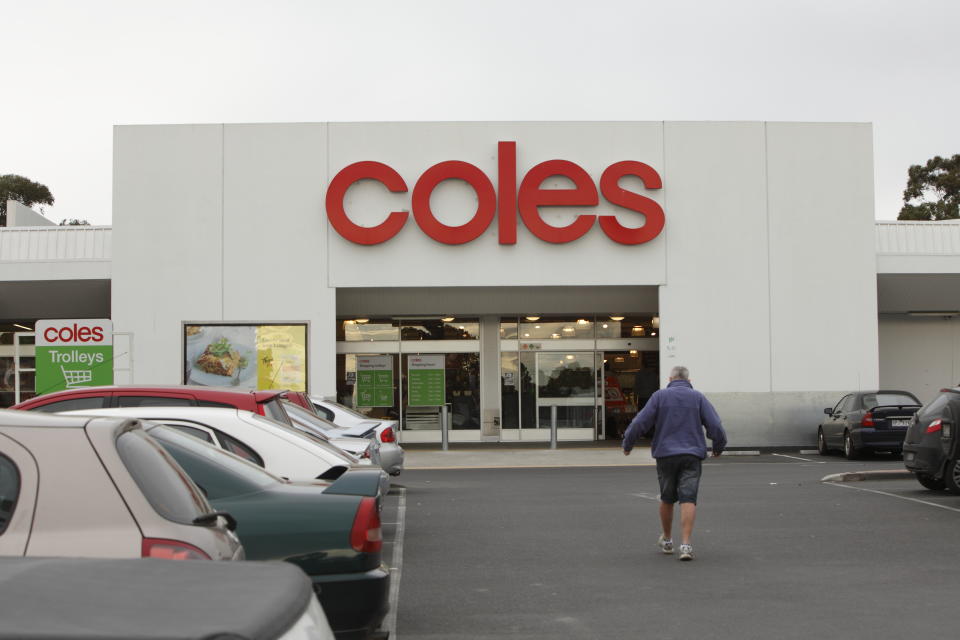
561 269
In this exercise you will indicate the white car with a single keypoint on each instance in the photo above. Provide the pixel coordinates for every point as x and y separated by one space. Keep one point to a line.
278 448
355 424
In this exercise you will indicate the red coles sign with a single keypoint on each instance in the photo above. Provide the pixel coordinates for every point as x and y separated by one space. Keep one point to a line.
503 204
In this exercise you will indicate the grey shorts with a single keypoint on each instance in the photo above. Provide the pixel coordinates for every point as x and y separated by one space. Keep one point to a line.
679 478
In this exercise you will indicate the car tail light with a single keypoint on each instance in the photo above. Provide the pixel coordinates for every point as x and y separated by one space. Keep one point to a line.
935 426
867 420
366 536
170 550
366 453
387 435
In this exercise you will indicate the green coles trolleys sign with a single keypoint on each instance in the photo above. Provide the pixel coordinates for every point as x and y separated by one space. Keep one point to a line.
73 353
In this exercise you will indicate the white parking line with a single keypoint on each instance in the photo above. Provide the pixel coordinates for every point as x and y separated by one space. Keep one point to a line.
390 622
783 455
893 495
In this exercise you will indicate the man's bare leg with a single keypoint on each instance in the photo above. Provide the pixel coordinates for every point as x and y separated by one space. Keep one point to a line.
688 513
666 519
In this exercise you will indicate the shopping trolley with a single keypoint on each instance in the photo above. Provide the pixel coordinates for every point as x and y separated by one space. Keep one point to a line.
76 378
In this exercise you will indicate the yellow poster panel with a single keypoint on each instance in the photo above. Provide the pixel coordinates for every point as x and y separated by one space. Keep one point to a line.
282 357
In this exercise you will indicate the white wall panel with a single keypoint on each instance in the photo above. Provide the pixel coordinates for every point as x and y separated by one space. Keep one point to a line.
167 239
822 260
274 235
413 257
715 306
921 355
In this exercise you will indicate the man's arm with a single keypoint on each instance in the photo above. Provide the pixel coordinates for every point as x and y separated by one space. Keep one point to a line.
641 423
711 420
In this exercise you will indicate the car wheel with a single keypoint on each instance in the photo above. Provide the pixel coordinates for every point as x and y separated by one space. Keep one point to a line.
822 444
849 450
929 482
951 476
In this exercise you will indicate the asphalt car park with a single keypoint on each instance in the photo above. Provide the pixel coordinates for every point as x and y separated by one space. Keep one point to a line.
570 552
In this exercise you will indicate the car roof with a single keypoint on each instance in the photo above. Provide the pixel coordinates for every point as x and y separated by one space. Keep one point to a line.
144 599
259 394
147 412
16 418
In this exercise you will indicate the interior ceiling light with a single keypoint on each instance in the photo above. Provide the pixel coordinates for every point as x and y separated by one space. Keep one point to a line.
940 314
653 333
536 326
583 321
526 335
533 318
655 322
349 322
618 359
633 352
604 325
449 319
362 320
568 329
616 318
22 327
569 357
555 336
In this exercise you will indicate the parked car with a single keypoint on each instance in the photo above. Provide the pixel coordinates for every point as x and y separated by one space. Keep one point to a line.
101 487
867 421
931 450
356 424
155 600
389 455
330 530
280 449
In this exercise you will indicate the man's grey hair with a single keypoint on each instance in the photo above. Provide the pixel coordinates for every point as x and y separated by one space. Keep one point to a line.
680 373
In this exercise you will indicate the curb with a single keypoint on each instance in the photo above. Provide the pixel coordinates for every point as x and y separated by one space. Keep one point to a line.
859 476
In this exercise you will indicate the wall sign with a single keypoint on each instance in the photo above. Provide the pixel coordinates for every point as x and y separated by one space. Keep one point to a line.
374 381
246 356
71 354
504 201
426 380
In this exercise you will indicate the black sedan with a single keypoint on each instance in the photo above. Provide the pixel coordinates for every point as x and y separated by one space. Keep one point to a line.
930 450
867 421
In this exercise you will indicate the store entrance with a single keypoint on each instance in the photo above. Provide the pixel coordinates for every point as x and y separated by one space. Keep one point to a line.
629 379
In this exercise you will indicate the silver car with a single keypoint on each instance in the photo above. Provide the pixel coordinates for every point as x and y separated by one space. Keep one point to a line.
101 487
354 424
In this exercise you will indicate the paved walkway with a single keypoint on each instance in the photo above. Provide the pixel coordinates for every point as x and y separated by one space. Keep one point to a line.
506 457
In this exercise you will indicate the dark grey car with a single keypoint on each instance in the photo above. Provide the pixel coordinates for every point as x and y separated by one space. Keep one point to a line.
931 449
867 421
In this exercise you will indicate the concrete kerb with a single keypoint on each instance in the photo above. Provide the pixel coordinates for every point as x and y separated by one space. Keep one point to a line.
860 476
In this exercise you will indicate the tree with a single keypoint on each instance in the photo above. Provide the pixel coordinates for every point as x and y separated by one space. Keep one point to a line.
24 191
74 222
933 190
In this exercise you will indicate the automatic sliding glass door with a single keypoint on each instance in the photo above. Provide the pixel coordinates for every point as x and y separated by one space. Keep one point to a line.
566 394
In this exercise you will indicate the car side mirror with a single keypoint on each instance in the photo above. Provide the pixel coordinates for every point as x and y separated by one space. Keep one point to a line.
828 411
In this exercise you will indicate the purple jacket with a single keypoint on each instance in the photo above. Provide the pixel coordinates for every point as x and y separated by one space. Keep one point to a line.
679 412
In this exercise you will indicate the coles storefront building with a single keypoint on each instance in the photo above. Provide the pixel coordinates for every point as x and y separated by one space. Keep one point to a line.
553 272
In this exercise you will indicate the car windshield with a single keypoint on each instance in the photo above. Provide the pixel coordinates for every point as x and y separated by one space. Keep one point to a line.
872 400
306 420
348 410
219 473
308 433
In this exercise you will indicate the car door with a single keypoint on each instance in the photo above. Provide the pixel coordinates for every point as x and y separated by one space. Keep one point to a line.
833 427
19 479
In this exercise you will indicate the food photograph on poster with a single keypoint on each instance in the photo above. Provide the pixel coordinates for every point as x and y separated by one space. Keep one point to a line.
261 356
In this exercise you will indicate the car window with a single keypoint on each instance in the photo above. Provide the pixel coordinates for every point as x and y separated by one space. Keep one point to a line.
275 412
161 480
304 420
9 490
238 448
326 413
153 401
839 407
211 403
850 404
314 438
872 400
193 431
72 404
221 474
935 408
346 409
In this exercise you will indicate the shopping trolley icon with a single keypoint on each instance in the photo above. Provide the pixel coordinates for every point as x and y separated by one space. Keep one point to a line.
76 378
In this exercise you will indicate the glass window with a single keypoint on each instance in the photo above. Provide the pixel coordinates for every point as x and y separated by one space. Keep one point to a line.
935 408
872 400
508 328
367 329
315 439
306 421
557 328
326 413
628 326
347 386
9 490
160 479
73 404
347 410
193 431
153 401
449 328
273 410
237 448
509 390
462 377
211 403
221 474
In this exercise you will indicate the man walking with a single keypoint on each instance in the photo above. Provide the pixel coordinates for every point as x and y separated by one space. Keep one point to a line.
679 413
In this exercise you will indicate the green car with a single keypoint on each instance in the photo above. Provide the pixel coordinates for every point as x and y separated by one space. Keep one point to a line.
330 530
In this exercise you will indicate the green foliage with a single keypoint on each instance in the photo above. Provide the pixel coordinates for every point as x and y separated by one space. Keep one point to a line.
24 191
74 222
933 190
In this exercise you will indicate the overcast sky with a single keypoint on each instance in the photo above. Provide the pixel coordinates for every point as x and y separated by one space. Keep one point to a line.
73 69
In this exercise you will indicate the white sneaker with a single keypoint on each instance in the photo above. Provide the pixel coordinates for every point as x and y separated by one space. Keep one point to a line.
665 545
686 552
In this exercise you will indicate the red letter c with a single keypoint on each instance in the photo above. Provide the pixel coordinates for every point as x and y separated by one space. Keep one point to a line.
338 216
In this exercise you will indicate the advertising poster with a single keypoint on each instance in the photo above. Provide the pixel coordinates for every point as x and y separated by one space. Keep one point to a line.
374 381
426 380
71 354
262 356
